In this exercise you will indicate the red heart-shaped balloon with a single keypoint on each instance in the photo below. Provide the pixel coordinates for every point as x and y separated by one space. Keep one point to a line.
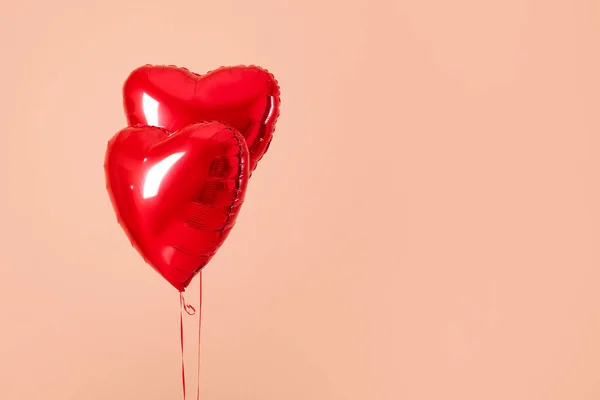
244 97
177 195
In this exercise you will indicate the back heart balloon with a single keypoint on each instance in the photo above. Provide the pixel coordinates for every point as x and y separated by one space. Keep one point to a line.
177 194
244 97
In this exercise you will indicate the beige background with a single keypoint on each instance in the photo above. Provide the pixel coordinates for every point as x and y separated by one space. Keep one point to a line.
426 225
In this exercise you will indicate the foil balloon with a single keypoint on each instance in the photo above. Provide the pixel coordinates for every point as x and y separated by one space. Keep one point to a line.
244 97
177 195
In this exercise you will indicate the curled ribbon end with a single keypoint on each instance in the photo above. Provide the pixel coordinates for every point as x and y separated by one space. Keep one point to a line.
189 309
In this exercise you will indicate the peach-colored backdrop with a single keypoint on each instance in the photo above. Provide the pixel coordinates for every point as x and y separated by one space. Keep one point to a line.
430 204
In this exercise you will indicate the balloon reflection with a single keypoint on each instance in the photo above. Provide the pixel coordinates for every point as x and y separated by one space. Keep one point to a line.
157 173
150 108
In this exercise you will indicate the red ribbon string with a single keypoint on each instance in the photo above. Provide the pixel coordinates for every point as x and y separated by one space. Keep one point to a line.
190 310
182 307
199 331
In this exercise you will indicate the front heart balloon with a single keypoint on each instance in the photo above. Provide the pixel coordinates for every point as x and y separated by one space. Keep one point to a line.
177 195
244 97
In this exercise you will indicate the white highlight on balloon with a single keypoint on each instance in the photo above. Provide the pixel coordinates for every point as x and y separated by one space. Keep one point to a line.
157 173
150 107
271 109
